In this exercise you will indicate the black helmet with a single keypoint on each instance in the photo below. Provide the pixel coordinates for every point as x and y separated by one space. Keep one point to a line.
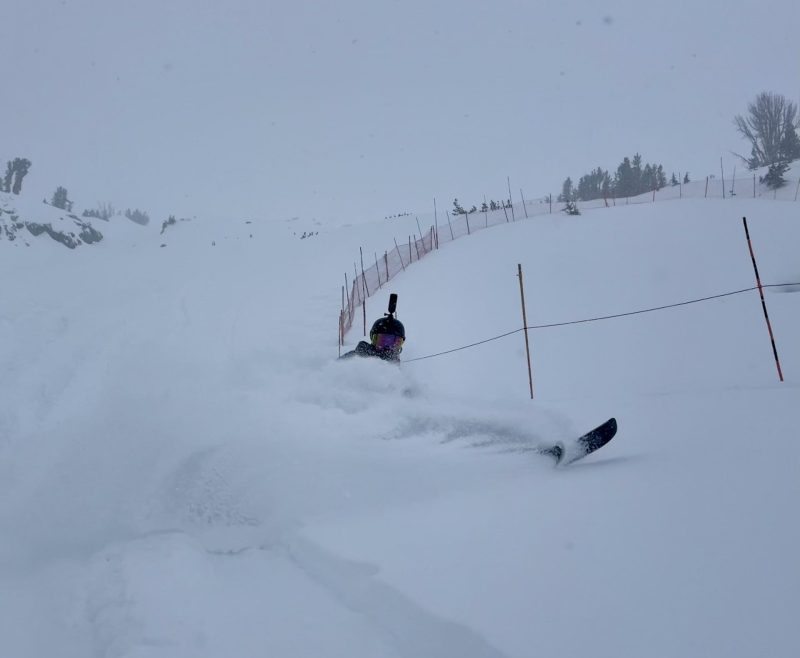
387 325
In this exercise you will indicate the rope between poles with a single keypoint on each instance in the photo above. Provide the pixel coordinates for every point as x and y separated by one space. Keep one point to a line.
602 317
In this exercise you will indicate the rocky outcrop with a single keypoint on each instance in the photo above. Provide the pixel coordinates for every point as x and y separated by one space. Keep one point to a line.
66 229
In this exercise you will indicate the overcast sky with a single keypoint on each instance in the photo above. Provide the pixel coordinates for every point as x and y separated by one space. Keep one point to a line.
366 108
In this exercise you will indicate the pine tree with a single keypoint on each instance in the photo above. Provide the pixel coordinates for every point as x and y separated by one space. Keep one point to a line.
567 193
594 185
624 179
19 169
138 216
661 177
790 145
648 179
774 177
686 177
639 185
673 181
60 198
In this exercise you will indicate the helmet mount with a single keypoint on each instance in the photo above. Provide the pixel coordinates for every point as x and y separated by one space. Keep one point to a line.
388 324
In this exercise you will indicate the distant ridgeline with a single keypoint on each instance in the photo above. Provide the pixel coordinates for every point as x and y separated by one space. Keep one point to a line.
61 225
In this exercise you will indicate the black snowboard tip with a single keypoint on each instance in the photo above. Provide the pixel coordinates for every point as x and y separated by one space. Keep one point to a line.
593 440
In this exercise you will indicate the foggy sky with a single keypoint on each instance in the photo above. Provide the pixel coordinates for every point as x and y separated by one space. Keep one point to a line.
362 109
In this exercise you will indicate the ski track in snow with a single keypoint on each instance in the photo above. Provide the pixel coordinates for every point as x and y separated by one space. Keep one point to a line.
213 514
405 625
120 592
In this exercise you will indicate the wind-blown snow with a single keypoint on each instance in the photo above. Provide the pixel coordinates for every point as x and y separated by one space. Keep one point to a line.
185 470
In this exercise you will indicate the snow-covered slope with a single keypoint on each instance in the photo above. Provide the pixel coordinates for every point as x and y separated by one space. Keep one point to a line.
185 470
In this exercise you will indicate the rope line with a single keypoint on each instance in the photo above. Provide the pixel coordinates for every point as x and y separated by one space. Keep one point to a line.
597 319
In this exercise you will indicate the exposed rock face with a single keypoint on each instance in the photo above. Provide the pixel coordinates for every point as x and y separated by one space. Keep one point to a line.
65 228
87 233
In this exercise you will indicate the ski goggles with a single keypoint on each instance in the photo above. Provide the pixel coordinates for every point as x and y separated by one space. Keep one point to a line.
388 342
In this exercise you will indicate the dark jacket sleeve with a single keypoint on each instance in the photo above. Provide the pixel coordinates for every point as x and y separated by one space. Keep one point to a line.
362 349
366 349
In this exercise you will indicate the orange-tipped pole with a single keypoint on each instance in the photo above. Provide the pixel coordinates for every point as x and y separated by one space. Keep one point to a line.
525 327
763 302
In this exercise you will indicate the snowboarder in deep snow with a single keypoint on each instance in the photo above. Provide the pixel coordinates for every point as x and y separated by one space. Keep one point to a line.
386 336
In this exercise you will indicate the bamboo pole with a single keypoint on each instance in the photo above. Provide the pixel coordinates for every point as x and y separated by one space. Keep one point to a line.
386 263
436 222
452 237
722 171
524 207
344 322
416 246
399 254
349 307
763 302
513 217
378 270
355 290
525 328
363 276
